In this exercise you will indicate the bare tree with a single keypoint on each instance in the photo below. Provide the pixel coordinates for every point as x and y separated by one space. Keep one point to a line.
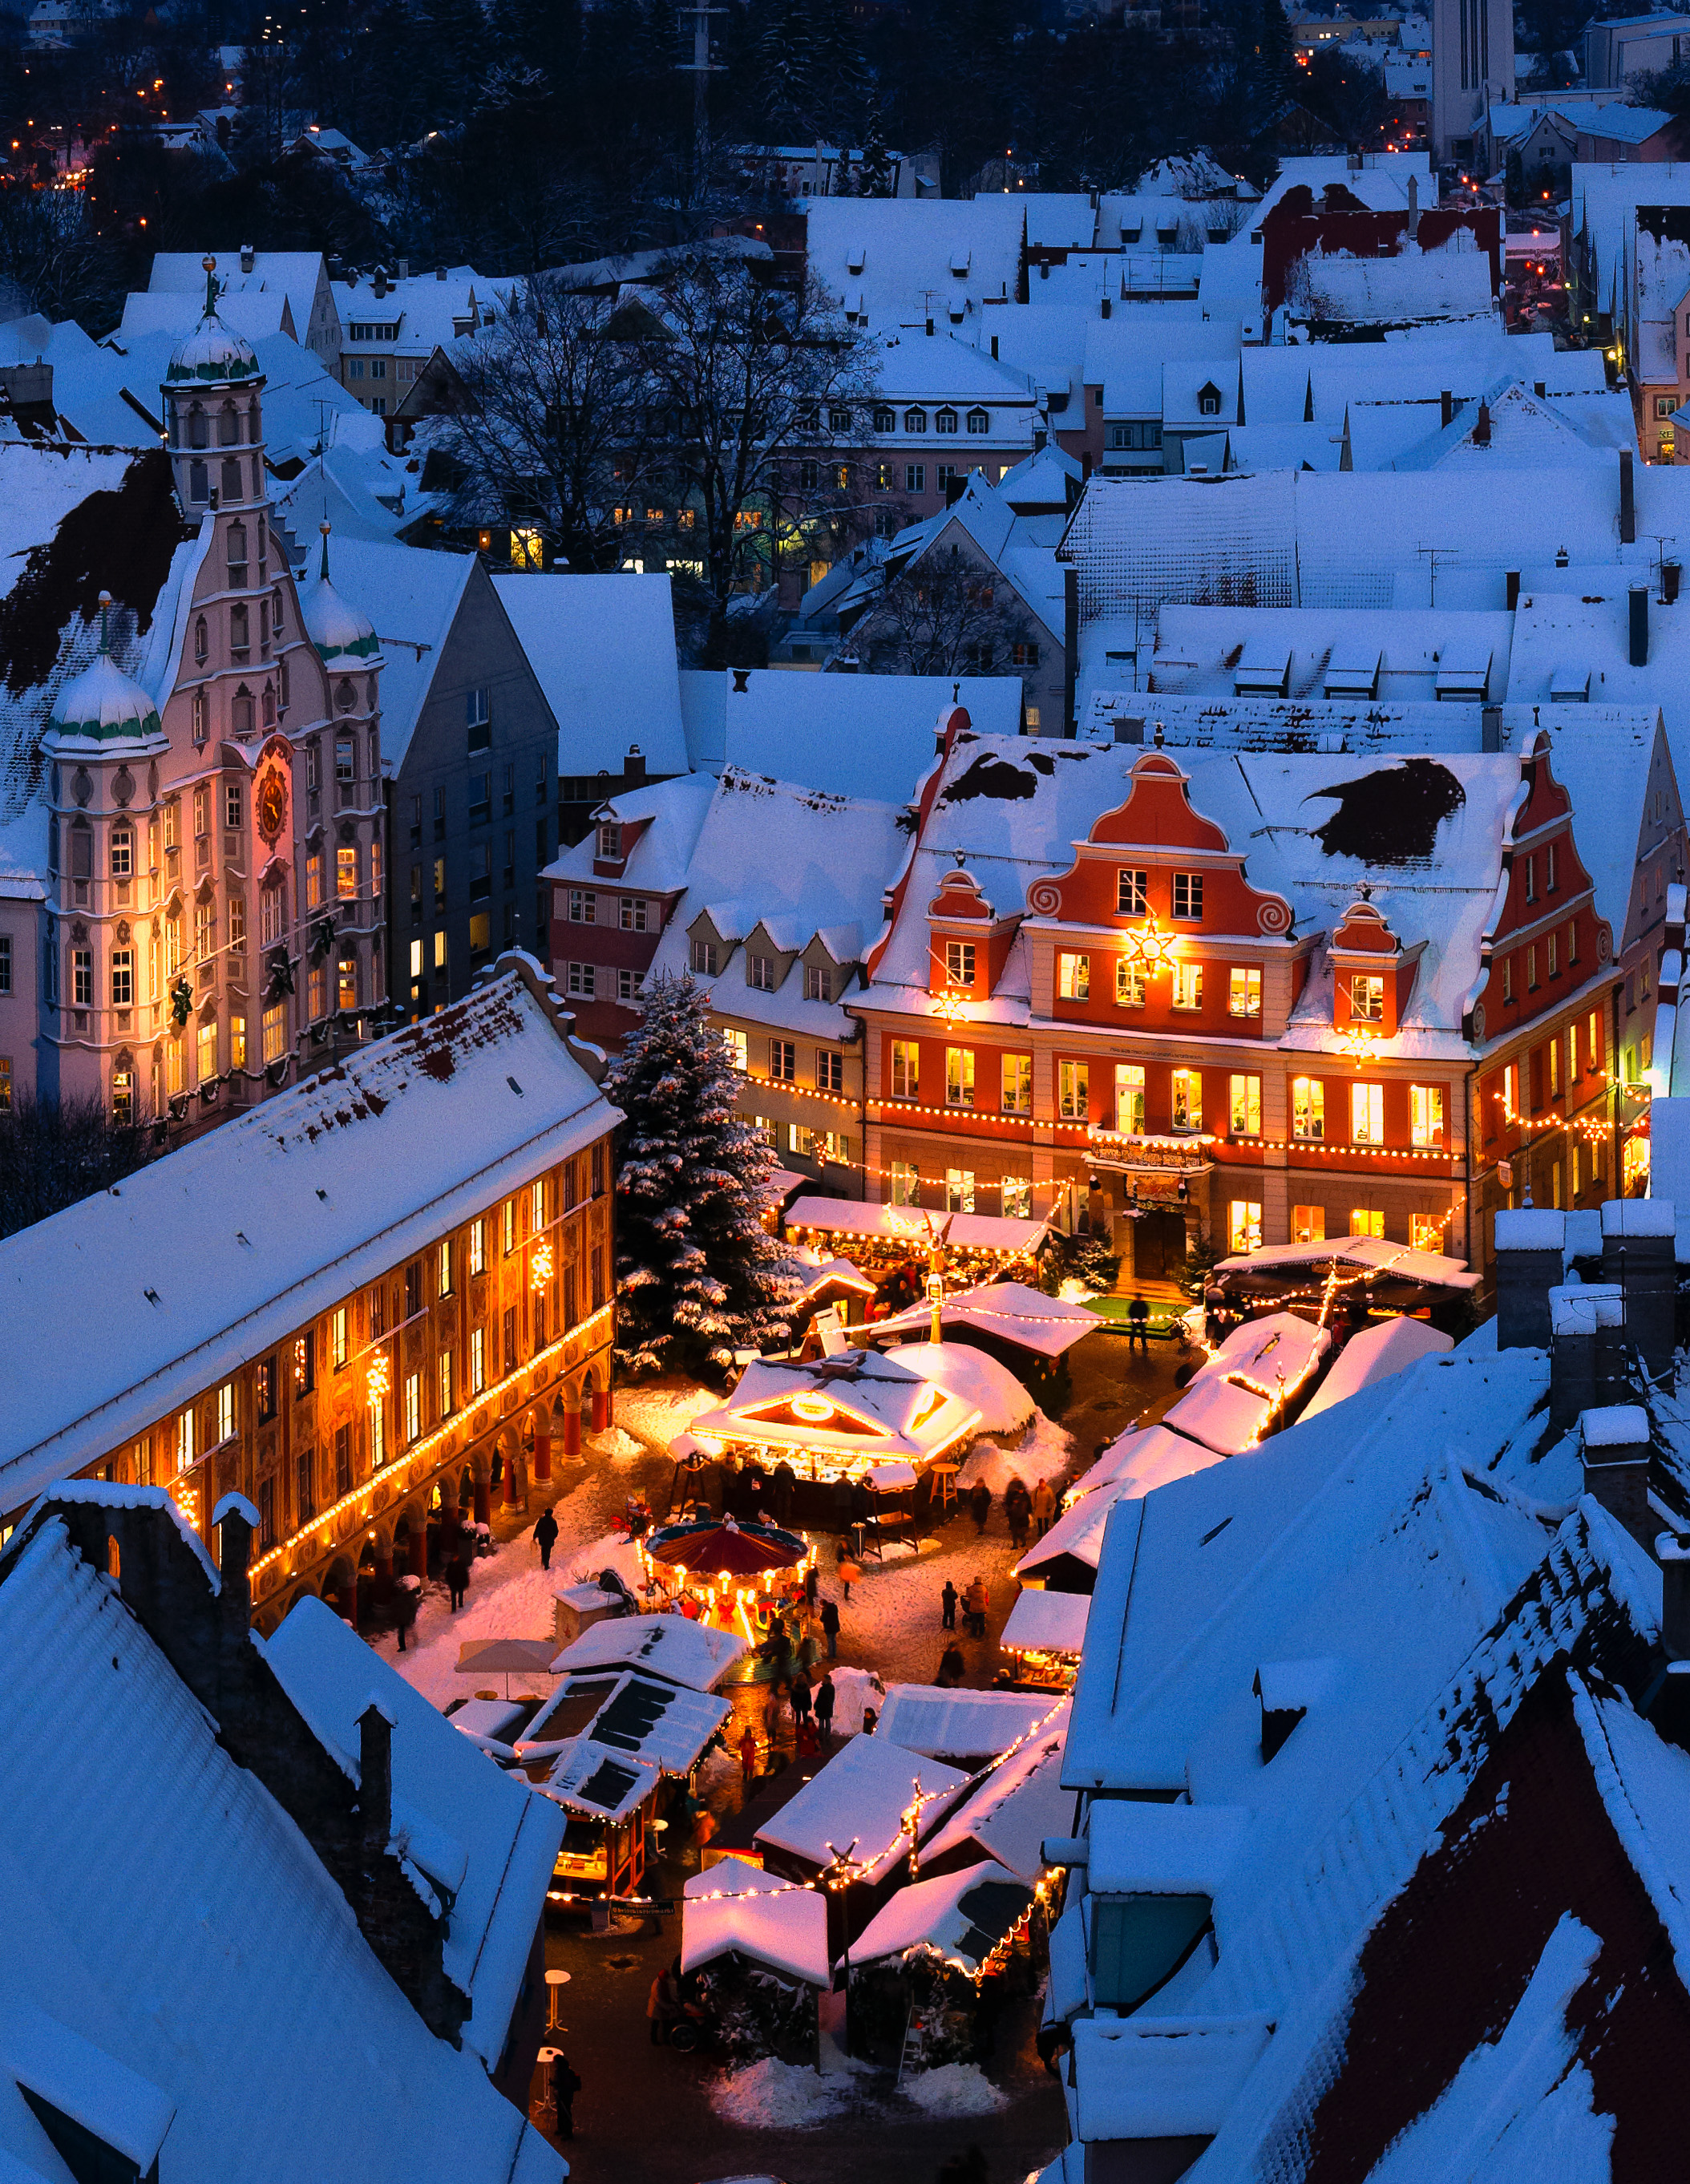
942 614
765 396
55 1152
547 427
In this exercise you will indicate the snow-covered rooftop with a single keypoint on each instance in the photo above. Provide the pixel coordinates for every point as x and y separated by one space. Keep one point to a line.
958 1724
854 1807
1377 1354
961 1916
734 1908
603 648
696 1655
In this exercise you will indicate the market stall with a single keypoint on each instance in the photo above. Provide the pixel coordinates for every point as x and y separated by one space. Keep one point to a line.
978 1247
1043 1639
1250 1385
697 1655
919 1972
758 1944
1368 1274
1006 1319
728 1572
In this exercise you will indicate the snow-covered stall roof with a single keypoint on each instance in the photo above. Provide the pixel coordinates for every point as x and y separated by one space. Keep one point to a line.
1375 1355
1076 1535
1237 1393
958 1724
961 1916
1043 1622
696 1655
603 1783
1374 1254
1020 1804
228 1959
857 1406
1143 1459
860 1798
505 1839
897 1224
1010 1310
603 648
974 1378
739 1909
339 1177
665 1722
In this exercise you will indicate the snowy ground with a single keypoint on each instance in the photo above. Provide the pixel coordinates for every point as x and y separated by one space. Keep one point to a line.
774 2096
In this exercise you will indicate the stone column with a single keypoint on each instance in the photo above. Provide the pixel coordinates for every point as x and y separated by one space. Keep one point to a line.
512 1493
543 1456
571 1430
601 1409
418 1548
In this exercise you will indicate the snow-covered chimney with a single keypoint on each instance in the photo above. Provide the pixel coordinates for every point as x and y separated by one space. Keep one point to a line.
248 258
1628 503
1586 1350
1673 1554
1616 1466
1414 208
1447 403
1638 1240
374 1775
1638 622
1530 1244
1481 429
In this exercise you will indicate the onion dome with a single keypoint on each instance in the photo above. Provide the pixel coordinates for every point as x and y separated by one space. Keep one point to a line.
212 354
101 705
335 626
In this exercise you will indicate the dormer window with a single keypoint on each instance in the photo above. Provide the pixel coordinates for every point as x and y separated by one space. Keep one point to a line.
945 420
915 420
704 963
959 962
759 971
818 983
1208 400
1367 997
885 421
610 840
980 420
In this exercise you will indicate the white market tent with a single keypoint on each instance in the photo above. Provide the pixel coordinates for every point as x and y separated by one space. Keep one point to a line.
845 1413
906 1224
1373 1255
1046 1623
734 1908
1010 1311
695 1654
1374 1356
1237 1393
860 1797
1020 1804
958 1724
981 1381
1142 1460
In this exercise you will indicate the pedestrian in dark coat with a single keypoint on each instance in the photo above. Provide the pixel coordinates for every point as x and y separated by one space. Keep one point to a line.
407 1599
802 1698
565 2086
812 1587
826 1696
830 1624
545 1537
457 1575
951 1667
947 1603
979 1505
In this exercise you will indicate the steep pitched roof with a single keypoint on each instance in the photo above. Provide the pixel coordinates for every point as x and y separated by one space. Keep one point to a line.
603 648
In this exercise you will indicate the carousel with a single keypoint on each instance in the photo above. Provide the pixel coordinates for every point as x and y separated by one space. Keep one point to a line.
733 1576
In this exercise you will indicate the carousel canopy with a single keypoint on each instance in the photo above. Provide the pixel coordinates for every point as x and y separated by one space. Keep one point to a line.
1046 1623
1293 1266
907 1225
727 1549
734 1908
858 1405
1008 1310
672 1646
962 1915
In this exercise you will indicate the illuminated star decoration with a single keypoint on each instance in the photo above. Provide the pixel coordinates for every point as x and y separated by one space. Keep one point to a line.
1149 949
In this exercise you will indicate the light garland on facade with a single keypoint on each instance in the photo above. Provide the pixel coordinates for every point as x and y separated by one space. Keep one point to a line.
430 1441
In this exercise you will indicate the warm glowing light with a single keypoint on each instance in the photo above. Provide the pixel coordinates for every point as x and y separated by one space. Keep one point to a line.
377 1379
1149 948
540 1265
816 1410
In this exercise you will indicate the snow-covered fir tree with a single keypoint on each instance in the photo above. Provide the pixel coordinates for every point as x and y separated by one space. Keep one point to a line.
698 1276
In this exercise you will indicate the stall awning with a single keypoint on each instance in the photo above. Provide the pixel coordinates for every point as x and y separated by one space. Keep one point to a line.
1047 1622
964 1916
1008 1310
906 1224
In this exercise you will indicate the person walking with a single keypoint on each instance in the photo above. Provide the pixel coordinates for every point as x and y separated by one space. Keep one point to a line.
1138 1324
979 1505
407 1599
1018 1508
1044 1506
947 1606
849 1572
978 1601
830 1627
545 1537
826 1698
457 1576
812 1587
951 1667
565 2086
747 1757
802 1699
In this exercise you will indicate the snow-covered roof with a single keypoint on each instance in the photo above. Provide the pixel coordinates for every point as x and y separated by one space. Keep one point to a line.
1161 2078
601 1780
1142 1460
961 1916
856 1405
1046 1623
1375 1355
899 255
1076 1536
412 596
1415 287
503 1839
338 1178
696 1655
663 1722
603 648
1374 1254
1009 1310
229 1959
1394 655
734 1908
867 736
896 1224
669 814
1240 1386
296 274
1022 1802
975 1378
958 1724
855 1806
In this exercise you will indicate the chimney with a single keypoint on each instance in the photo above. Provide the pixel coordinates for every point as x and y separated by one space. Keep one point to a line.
1128 730
1040 439
1355 163
1529 1248
1070 645
930 327
1616 1466
1540 387
1586 1350
1672 576
1414 208
633 766
375 1776
405 269
440 272
248 258
1104 307
378 283
236 1521
1491 728
1481 430
1512 580
1447 400
1628 505
1640 625
1638 1236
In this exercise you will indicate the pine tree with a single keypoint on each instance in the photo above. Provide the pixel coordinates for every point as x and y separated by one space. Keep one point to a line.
697 1274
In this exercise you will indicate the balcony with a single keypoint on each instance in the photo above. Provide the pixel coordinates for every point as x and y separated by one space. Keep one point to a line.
1125 1153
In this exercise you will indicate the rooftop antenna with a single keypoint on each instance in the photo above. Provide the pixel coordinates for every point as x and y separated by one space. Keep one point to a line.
1431 554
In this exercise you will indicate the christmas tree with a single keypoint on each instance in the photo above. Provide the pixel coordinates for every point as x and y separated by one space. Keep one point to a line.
698 1276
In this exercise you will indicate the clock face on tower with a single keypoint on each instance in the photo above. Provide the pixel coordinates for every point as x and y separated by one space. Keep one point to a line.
272 804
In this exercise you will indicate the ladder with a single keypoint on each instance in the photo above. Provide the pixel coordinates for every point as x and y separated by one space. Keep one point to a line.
911 2054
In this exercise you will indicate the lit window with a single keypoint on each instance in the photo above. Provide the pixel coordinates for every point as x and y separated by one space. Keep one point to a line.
959 1190
1188 1100
337 1336
1073 1102
1132 984
1425 1230
445 1366
1016 1072
959 1077
906 1184
477 1360
1245 1107
1367 1114
905 1069
445 1266
413 1406
1425 1114
1367 997
346 872
1308 1107
226 1412
959 962
1308 1224
1187 992
1243 993
1015 1193
478 1245
1073 976
1244 1226
1129 1098
1367 1221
